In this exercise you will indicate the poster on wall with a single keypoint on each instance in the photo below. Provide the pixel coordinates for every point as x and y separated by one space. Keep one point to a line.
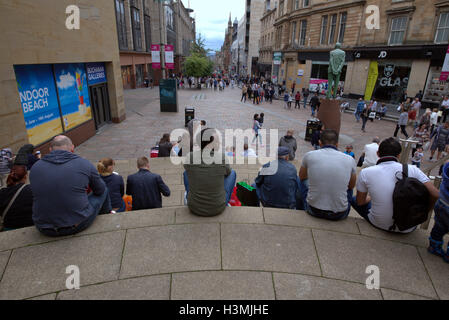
96 73
71 82
169 60
373 74
156 56
39 102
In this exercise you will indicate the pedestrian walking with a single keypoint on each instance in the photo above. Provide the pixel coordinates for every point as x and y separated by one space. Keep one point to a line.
402 122
305 94
359 109
297 100
244 91
314 103
365 116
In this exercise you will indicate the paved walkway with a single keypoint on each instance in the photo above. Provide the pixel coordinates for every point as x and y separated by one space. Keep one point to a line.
244 253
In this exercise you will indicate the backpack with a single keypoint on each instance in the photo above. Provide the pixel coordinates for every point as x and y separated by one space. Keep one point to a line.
410 202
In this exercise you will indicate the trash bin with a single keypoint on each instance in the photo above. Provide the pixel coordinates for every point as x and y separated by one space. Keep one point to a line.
168 95
312 126
189 115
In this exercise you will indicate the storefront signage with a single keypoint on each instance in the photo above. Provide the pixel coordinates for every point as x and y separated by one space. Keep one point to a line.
96 73
389 70
300 72
156 56
71 82
277 58
39 101
382 54
445 70
169 57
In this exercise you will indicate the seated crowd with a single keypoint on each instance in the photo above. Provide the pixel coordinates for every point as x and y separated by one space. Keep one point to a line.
66 192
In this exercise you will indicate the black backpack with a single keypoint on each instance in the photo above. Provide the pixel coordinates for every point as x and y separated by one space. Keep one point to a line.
410 202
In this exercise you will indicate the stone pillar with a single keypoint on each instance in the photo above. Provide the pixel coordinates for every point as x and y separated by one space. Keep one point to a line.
329 114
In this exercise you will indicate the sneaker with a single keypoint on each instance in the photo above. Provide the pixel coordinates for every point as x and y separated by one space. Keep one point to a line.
185 198
112 212
436 248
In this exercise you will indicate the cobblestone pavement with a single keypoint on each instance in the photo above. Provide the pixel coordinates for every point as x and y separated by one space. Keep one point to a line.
145 124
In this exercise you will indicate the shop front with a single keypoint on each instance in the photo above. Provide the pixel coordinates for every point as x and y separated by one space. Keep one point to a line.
392 81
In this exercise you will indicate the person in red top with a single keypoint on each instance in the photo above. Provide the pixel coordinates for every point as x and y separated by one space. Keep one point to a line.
297 99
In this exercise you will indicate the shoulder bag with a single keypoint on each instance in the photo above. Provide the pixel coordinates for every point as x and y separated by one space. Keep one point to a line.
2 218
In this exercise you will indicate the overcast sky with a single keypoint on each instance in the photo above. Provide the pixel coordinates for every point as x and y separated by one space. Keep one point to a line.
212 18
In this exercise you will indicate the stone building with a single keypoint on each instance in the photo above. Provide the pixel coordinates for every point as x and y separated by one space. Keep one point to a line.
55 80
226 48
254 12
267 37
404 55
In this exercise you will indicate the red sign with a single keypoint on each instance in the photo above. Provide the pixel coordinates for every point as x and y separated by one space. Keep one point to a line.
156 56
169 57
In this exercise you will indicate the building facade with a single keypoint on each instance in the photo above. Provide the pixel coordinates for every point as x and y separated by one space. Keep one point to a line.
55 80
254 12
267 36
226 48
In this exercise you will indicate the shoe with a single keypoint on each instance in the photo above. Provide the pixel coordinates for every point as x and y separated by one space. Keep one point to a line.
436 248
112 212
185 198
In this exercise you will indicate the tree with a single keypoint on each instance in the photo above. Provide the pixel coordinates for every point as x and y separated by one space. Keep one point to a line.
198 66
199 47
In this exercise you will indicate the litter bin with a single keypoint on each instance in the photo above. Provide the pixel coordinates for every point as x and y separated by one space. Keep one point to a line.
168 95
312 126
189 115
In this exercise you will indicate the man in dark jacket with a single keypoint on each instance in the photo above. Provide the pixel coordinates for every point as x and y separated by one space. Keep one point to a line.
146 187
277 182
290 142
59 182
314 103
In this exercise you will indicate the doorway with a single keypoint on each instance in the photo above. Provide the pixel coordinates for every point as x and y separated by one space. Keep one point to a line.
100 105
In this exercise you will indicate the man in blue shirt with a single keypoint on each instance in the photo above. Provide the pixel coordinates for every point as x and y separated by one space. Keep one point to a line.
278 183
146 187
359 109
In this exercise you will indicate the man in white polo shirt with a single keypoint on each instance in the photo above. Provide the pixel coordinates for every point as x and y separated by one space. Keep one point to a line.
379 182
327 179
370 153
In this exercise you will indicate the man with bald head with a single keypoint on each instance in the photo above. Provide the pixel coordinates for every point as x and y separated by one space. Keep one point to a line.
61 204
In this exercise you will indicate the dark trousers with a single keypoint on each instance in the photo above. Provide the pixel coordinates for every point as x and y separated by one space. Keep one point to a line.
297 104
364 120
445 113
441 226
402 127
243 97
101 205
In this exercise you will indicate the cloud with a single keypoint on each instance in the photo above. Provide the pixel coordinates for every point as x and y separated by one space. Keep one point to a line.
66 81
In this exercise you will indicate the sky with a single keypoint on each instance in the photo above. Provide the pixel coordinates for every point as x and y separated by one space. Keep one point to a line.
212 18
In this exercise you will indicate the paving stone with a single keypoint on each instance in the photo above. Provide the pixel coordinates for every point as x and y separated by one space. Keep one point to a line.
389 294
346 257
301 287
23 237
438 271
166 249
303 219
41 269
417 238
230 215
142 288
222 285
176 198
51 296
131 219
268 248
4 256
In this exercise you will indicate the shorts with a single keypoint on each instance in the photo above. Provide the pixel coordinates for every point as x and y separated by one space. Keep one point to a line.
439 146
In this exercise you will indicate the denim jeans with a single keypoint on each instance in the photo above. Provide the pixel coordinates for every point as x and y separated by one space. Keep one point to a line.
363 210
313 110
304 190
305 102
229 184
441 226
257 135
299 202
357 116
101 205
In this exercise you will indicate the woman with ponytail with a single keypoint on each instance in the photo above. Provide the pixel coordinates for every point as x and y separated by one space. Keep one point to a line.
114 182
16 213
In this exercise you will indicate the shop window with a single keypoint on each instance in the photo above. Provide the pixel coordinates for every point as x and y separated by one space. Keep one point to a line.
442 34
323 30
121 24
302 40
397 32
333 26
392 82
341 32
139 75
435 89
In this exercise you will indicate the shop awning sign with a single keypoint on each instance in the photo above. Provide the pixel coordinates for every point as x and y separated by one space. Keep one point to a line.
445 70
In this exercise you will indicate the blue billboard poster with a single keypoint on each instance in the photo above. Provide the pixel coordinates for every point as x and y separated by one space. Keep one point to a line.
71 82
96 73
39 101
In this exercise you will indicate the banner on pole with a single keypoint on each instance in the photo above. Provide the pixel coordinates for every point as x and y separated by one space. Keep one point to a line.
156 56
169 58
445 70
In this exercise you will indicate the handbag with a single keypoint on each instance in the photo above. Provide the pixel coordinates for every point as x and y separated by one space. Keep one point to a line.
2 218
372 115
247 195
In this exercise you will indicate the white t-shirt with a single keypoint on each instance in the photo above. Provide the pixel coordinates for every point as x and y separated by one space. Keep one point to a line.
379 181
371 157
434 118
445 104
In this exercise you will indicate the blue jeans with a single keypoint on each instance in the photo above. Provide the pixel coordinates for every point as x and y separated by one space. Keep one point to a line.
299 202
441 226
305 102
313 110
101 205
123 207
357 116
229 184
363 210
304 189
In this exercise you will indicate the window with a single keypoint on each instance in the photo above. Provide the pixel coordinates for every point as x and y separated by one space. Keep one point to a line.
323 30
294 33
137 32
121 24
442 34
296 4
333 26
281 8
305 3
302 40
341 32
169 18
398 27
147 33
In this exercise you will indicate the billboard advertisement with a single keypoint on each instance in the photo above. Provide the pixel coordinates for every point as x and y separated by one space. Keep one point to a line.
39 101
156 56
71 82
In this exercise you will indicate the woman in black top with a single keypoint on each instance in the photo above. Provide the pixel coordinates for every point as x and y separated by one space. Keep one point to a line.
114 182
165 146
20 213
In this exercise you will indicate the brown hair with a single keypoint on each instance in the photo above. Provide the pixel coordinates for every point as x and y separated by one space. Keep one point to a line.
17 174
165 138
103 166
143 162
